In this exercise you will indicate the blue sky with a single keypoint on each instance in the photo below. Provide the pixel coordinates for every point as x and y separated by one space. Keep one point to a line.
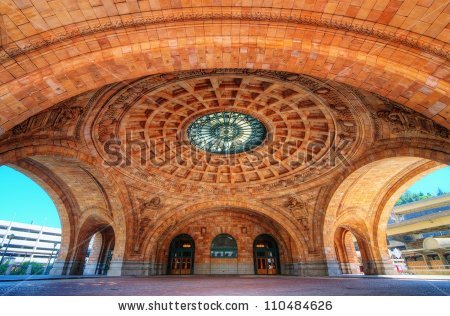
433 181
23 200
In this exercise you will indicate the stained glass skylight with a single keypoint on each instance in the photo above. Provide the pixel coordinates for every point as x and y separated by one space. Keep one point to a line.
226 132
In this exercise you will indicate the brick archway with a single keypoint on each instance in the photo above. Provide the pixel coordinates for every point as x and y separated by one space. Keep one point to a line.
346 252
82 193
357 59
65 202
347 91
363 201
156 245
242 225
92 222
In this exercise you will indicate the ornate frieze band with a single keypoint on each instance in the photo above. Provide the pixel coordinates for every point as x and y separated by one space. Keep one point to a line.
13 52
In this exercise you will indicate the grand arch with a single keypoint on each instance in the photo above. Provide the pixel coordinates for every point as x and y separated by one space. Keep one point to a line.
243 224
86 200
362 202
96 100
245 220
53 53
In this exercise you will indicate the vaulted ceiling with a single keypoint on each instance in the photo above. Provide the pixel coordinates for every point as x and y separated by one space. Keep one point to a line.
54 50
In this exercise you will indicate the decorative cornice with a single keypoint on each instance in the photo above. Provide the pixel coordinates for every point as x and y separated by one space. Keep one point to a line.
402 119
13 52
54 119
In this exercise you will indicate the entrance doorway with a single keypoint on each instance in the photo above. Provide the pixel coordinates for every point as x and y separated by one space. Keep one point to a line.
181 259
265 252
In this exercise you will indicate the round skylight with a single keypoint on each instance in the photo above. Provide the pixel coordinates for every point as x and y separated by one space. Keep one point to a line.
226 132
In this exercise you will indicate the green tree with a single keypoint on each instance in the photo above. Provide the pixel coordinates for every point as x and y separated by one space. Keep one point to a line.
409 197
3 267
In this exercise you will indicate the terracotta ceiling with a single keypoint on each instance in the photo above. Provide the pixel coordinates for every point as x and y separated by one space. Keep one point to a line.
139 128
53 50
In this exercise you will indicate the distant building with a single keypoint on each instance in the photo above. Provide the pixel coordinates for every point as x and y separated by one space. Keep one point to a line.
21 242
419 235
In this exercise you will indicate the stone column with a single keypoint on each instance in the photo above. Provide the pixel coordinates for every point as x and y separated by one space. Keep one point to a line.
318 268
334 268
137 268
379 267
115 268
58 268
75 267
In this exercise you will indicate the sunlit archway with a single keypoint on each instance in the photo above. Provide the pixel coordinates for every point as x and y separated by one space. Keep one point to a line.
362 205
30 226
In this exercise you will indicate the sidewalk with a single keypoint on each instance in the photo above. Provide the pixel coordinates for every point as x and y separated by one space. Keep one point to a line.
398 276
15 278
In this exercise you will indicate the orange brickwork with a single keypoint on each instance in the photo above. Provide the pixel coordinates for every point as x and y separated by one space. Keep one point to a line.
96 98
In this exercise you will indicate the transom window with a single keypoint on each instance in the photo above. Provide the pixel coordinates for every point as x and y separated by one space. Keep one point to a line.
224 246
226 132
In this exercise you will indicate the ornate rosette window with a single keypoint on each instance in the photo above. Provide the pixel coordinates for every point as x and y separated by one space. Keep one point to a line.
226 132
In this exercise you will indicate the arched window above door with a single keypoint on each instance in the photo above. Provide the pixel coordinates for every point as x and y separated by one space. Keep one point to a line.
223 246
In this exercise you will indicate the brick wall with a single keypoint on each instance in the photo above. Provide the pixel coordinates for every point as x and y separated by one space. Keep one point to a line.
244 228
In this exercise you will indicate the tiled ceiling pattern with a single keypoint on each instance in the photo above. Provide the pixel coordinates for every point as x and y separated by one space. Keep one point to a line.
26 18
300 124
53 50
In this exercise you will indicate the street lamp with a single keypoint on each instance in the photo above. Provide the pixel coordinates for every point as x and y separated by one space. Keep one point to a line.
11 237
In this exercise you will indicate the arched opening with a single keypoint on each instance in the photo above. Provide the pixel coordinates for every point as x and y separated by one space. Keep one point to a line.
182 254
30 226
204 224
93 254
266 256
94 248
99 253
418 231
87 200
351 252
224 255
361 205
224 246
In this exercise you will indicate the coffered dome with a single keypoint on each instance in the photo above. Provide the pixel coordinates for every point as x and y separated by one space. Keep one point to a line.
207 129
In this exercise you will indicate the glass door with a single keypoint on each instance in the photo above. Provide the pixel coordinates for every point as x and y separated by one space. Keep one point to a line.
266 255
181 260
